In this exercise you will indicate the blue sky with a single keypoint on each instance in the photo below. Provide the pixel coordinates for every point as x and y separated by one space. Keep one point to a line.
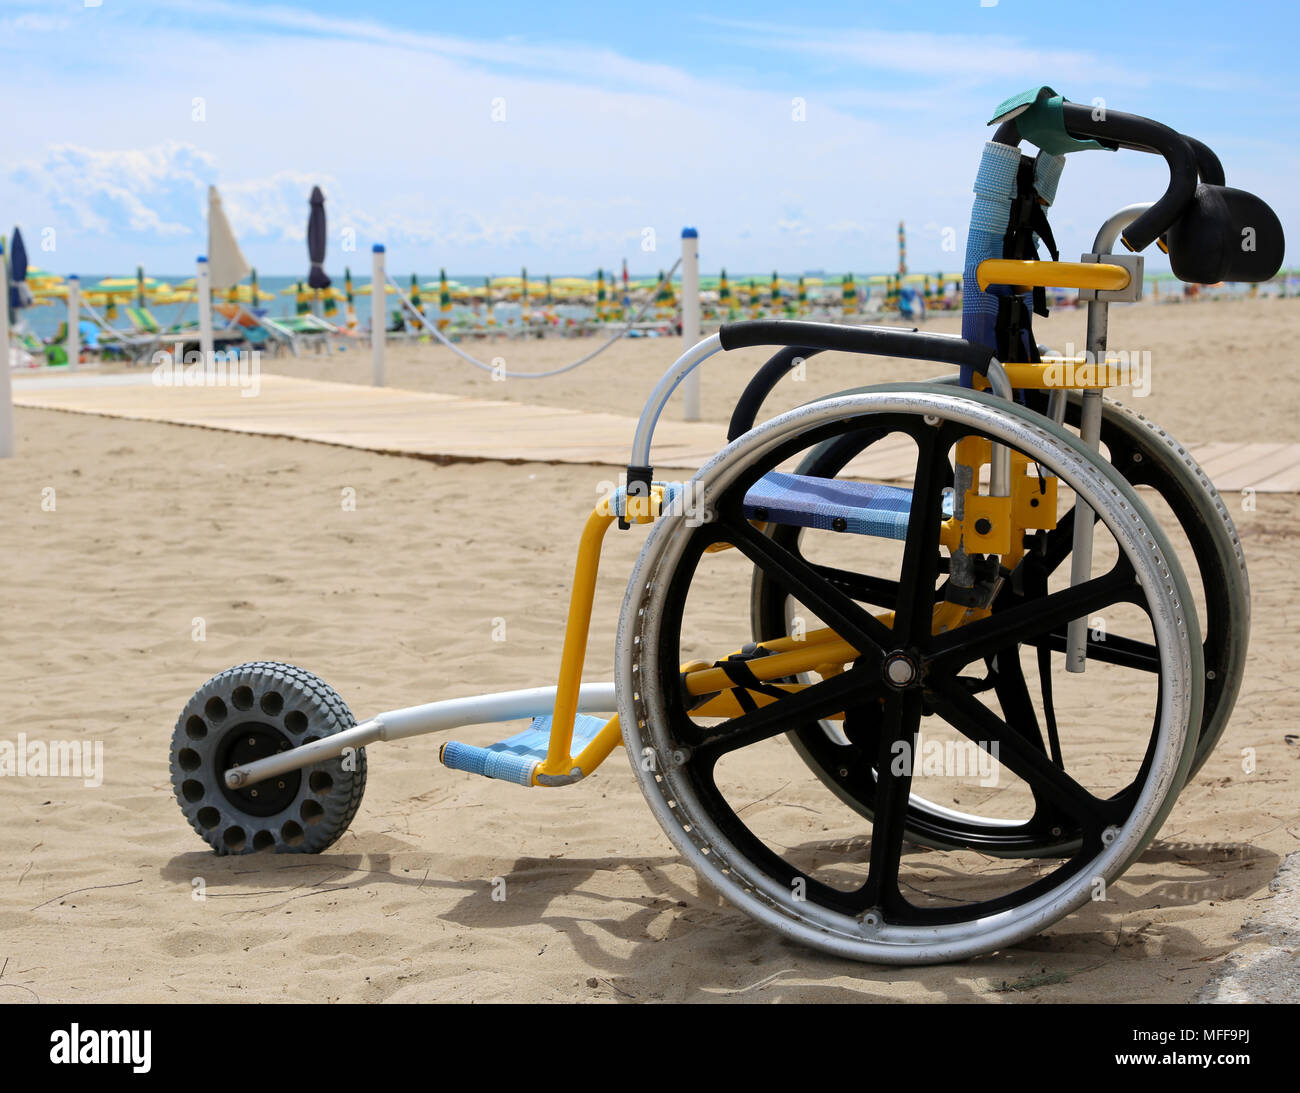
485 137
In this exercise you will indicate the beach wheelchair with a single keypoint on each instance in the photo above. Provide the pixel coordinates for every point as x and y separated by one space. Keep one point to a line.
889 579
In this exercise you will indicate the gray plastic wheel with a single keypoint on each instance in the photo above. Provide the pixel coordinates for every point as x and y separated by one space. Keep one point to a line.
249 712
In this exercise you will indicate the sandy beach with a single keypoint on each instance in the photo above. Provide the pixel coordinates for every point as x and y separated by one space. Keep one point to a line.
154 527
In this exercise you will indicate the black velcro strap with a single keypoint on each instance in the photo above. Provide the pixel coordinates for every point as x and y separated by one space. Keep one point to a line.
738 671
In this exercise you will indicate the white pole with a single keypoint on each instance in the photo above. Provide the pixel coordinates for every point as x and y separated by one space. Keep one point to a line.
74 320
202 286
378 315
691 318
6 382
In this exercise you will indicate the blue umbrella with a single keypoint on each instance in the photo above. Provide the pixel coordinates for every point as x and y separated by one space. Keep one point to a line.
19 294
317 277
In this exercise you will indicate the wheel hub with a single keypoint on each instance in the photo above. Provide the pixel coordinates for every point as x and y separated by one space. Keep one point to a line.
899 670
247 743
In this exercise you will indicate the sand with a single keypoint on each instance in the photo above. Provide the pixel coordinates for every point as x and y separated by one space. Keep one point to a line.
157 526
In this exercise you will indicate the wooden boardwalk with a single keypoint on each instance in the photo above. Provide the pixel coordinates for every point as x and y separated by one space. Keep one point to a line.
434 426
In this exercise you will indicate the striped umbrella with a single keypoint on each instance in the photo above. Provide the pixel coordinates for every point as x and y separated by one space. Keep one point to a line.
350 296
902 250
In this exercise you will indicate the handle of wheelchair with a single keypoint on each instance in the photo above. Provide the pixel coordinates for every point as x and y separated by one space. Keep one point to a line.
757 389
1143 134
883 341
802 340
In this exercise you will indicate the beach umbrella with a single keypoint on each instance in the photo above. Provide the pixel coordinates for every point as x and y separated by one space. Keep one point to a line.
600 295
444 300
627 295
303 305
316 276
415 299
350 297
226 264
550 295
19 294
902 250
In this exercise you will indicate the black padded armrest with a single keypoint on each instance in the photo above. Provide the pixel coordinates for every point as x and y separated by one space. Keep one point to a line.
882 341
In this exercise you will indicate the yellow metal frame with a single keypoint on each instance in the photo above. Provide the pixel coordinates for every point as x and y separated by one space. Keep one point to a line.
1032 504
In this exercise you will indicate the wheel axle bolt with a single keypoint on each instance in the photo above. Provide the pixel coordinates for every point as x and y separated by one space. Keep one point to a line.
899 670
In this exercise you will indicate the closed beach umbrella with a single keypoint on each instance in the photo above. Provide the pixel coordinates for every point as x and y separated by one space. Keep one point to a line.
303 306
226 264
350 296
19 294
444 300
415 299
316 276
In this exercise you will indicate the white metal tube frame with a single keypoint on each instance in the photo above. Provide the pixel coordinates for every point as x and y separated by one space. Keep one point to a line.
452 713
1076 636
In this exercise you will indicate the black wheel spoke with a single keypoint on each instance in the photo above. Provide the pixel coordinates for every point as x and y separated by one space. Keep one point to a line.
863 587
986 637
1013 696
836 609
1024 758
920 568
813 702
1112 649
894 762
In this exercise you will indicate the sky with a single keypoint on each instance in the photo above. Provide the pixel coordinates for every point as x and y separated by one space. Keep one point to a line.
485 137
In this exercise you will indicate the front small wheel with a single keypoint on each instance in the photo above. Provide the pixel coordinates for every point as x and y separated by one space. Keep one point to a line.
247 713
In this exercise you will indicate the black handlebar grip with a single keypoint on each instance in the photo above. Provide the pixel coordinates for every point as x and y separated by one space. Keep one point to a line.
1131 131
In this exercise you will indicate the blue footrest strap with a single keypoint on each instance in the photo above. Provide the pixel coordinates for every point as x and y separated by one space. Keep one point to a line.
515 759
